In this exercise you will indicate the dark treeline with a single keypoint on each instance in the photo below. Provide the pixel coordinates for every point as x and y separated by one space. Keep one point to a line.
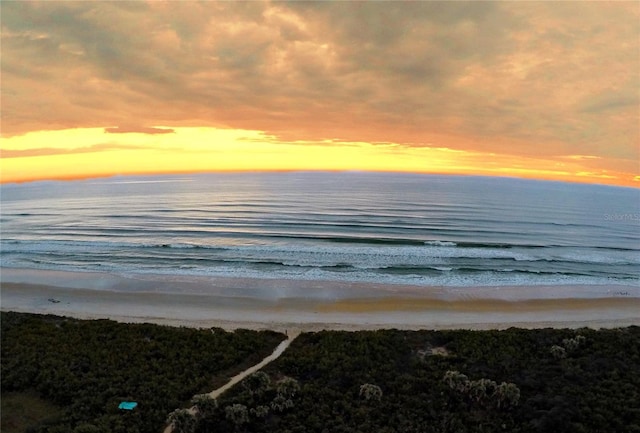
547 380
88 367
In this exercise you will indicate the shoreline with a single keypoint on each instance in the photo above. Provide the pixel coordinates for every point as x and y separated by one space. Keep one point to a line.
270 289
356 309
288 327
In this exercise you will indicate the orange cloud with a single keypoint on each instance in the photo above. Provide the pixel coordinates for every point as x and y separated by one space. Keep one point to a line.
49 151
137 130
538 81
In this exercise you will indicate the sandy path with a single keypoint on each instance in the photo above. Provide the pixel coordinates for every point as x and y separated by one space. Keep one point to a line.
238 377
279 350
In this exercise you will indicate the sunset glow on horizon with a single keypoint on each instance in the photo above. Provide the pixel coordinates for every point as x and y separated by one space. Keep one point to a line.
64 155
535 90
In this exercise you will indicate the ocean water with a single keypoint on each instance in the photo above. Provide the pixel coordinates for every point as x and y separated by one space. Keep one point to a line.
422 230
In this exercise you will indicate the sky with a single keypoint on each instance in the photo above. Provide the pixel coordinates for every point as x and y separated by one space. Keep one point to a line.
545 90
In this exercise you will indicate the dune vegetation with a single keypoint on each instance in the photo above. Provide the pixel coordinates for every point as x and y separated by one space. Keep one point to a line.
85 368
514 380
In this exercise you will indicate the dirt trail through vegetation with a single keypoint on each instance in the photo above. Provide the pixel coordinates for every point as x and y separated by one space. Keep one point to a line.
279 350
238 377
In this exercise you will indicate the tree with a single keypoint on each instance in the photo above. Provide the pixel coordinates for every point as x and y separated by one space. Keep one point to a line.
288 387
456 380
572 344
481 389
86 428
281 403
558 352
257 383
370 392
484 391
260 411
507 395
238 414
182 421
205 405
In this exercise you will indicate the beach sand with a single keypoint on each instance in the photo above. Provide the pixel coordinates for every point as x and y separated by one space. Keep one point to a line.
280 305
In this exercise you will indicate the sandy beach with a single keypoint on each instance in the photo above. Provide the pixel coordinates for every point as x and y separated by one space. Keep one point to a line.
282 305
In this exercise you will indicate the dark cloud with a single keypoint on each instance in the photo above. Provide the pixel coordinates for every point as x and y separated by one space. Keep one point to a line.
612 101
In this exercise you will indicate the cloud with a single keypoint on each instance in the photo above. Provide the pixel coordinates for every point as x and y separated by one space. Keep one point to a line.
542 78
608 101
51 151
580 157
138 130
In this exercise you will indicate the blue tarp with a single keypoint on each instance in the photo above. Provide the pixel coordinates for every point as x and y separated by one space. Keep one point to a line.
127 405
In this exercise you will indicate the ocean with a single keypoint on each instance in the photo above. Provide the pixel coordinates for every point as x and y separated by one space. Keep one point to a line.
408 229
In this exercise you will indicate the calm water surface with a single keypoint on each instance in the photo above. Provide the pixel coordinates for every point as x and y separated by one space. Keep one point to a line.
354 227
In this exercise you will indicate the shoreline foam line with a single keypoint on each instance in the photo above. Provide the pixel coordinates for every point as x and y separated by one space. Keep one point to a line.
281 288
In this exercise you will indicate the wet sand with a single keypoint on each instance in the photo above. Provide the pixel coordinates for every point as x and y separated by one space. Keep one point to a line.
281 305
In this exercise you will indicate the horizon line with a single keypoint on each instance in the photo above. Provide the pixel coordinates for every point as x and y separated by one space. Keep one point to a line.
282 171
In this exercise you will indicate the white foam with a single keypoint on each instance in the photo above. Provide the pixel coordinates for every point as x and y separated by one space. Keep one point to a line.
441 243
